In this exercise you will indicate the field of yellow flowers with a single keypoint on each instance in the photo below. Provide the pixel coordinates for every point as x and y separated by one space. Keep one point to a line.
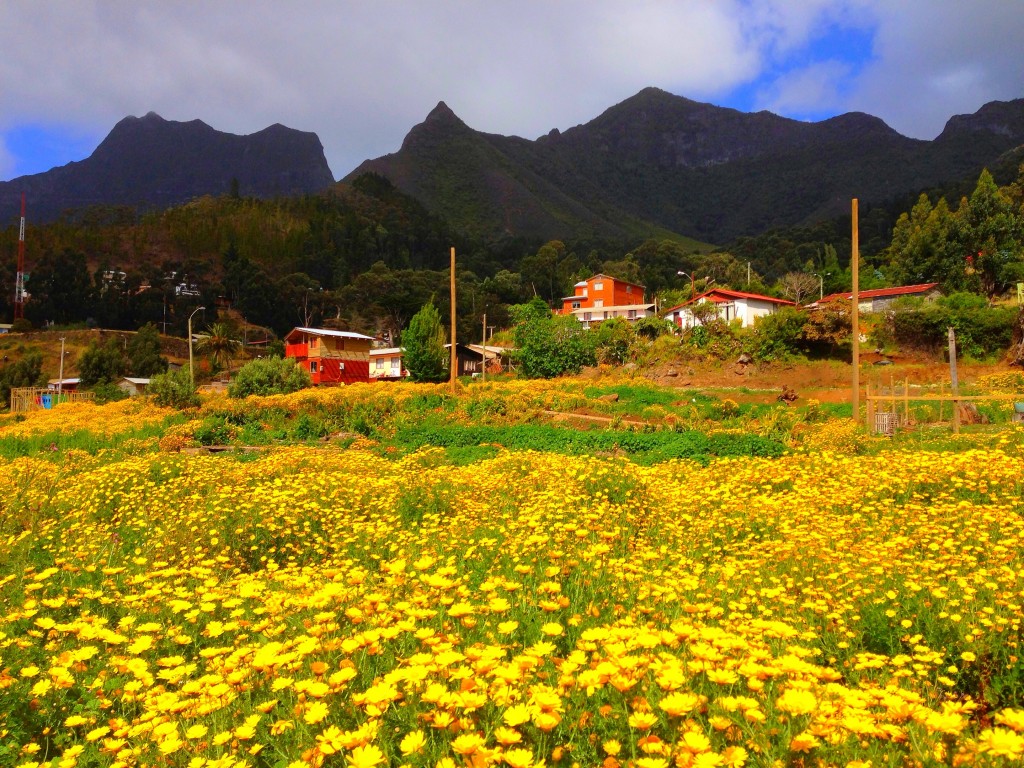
320 605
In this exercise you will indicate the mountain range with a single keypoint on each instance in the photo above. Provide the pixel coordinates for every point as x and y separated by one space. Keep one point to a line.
659 161
654 165
150 162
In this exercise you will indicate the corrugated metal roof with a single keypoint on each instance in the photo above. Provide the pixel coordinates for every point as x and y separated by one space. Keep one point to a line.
876 293
329 332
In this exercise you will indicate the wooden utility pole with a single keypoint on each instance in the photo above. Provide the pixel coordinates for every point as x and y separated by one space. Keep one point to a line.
954 383
454 357
855 269
483 343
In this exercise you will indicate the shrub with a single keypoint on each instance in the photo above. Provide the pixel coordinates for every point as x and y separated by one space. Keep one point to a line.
423 342
173 390
549 346
144 352
651 328
108 392
27 372
777 336
269 376
99 364
613 341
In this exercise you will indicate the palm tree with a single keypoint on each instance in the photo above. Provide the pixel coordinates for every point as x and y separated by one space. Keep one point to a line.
221 344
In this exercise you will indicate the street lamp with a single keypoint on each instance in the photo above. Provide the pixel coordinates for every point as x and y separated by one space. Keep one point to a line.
191 372
693 291
821 284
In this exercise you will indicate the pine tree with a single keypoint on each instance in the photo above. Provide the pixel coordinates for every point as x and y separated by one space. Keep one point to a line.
423 342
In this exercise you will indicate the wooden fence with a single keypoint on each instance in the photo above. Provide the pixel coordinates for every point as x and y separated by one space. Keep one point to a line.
24 399
890 403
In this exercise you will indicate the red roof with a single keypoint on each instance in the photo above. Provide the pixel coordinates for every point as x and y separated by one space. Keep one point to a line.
721 295
903 290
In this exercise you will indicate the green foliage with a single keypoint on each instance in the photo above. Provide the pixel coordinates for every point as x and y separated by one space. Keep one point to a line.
21 325
108 392
102 364
144 357
973 248
26 372
269 376
644 447
777 336
549 346
653 327
613 341
423 342
221 344
173 390
981 330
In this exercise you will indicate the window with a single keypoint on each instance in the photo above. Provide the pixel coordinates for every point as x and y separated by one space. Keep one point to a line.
598 302
632 314
598 286
380 363
629 289
576 305
312 366
605 315
586 315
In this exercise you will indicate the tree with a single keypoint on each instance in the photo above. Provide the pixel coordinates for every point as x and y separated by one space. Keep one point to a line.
548 346
144 357
423 342
220 344
174 389
102 364
269 376
27 372
798 286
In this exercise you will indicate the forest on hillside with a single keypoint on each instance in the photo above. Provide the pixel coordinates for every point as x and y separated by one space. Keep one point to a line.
367 257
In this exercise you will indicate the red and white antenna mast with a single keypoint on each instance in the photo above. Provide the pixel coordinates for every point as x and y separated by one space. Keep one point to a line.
19 280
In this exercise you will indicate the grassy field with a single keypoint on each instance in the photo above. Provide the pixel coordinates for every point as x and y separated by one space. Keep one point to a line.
395 576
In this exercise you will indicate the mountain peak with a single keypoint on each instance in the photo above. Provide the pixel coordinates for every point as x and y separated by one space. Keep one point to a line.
442 113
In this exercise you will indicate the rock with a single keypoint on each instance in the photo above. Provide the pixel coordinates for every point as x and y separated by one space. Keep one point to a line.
611 397
672 372
883 362
745 359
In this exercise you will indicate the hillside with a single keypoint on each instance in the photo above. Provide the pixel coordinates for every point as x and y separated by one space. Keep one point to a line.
663 161
150 162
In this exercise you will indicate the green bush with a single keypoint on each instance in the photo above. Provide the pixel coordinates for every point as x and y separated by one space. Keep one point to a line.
108 392
549 346
613 341
27 372
981 330
173 390
777 336
269 376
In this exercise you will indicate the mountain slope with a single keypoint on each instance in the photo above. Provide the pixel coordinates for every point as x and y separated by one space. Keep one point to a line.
663 161
151 162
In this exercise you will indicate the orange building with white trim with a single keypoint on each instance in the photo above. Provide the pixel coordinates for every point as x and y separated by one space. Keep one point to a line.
603 297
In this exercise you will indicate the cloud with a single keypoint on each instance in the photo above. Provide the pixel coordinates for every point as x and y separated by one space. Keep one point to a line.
811 91
362 74
7 160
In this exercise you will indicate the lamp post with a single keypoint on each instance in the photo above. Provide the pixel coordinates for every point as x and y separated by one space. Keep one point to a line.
821 284
191 372
693 291
60 381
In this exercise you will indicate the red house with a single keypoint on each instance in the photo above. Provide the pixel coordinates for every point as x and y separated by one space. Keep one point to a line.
331 357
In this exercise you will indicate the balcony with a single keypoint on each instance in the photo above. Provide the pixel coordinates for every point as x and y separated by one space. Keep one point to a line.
300 351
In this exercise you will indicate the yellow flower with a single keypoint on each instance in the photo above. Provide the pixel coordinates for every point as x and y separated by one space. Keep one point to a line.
518 758
797 702
365 757
516 715
611 747
643 721
413 742
678 704
804 742
196 731
507 736
315 712
97 733
1001 743
75 720
552 628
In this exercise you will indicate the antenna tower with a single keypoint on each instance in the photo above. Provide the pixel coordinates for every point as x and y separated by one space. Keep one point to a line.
19 280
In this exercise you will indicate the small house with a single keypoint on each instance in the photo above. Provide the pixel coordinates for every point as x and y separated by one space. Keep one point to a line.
331 357
64 385
133 386
880 299
732 305
387 364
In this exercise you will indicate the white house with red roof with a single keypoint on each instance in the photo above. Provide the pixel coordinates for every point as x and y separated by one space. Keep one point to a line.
732 305
878 299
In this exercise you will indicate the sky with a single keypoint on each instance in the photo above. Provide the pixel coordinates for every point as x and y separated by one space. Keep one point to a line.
361 74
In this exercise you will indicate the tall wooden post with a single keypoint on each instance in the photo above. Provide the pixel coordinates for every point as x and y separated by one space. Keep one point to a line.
954 383
454 358
855 269
483 343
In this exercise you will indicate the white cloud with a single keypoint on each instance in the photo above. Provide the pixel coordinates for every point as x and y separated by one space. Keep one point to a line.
7 160
362 74
812 90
